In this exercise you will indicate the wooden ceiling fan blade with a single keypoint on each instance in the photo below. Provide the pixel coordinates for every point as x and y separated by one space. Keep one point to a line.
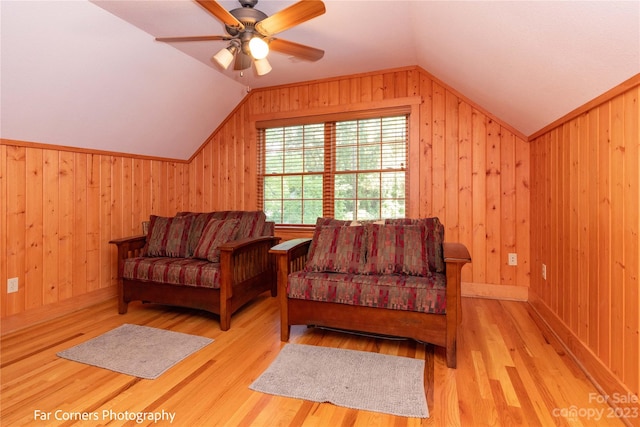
221 13
243 61
296 49
192 38
291 16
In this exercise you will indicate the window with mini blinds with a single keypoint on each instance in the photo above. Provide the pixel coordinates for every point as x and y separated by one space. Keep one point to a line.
352 169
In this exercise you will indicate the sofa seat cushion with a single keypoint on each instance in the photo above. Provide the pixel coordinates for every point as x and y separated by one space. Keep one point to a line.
398 292
173 271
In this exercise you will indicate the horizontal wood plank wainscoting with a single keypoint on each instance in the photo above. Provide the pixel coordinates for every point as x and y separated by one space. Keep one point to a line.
585 198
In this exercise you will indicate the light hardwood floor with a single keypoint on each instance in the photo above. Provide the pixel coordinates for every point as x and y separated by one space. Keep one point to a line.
509 373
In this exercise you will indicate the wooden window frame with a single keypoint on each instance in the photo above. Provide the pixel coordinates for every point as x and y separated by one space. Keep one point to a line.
409 106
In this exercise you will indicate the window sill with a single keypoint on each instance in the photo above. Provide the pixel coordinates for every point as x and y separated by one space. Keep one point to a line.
287 232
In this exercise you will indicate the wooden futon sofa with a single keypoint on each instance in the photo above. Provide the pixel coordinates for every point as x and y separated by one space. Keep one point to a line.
393 277
216 261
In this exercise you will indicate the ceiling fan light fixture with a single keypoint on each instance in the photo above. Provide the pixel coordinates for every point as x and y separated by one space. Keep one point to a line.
262 66
259 48
225 56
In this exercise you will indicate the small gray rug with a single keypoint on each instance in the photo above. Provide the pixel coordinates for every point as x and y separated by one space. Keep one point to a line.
353 379
136 350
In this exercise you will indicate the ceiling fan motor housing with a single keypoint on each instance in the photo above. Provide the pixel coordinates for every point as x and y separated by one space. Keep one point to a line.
249 18
248 3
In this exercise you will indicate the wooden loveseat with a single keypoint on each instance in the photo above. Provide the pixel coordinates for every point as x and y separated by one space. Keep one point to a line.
395 277
215 261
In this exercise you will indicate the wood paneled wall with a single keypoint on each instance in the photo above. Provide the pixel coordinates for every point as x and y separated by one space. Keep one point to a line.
472 171
585 198
59 210
61 207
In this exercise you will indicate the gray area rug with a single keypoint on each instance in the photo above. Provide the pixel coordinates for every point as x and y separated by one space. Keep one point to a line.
136 350
353 379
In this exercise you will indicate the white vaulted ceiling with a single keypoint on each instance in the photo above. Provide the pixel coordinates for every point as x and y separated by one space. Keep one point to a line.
91 75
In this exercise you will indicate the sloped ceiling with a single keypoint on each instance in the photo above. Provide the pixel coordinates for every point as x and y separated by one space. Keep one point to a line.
90 74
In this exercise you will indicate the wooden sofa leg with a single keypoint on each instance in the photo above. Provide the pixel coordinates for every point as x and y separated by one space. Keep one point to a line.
451 355
285 331
225 319
452 339
122 304
285 328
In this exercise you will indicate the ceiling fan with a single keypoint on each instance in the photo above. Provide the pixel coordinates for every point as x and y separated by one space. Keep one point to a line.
250 33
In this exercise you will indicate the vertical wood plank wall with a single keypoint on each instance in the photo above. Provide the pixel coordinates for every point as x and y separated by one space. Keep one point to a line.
59 210
473 171
585 198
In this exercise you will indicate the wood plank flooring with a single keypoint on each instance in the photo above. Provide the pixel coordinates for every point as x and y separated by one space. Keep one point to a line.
509 373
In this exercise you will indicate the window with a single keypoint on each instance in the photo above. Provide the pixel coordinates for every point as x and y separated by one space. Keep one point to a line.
347 169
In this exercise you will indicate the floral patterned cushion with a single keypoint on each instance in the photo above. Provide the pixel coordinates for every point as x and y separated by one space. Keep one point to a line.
185 271
216 233
168 237
396 249
398 292
341 249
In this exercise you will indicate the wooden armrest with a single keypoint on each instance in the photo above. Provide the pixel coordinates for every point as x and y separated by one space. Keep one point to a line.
455 252
129 240
128 247
291 255
290 245
246 242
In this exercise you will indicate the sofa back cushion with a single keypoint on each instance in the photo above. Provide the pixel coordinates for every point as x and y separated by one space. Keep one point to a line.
434 239
168 236
269 229
323 222
398 257
340 250
396 249
251 224
200 221
217 232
